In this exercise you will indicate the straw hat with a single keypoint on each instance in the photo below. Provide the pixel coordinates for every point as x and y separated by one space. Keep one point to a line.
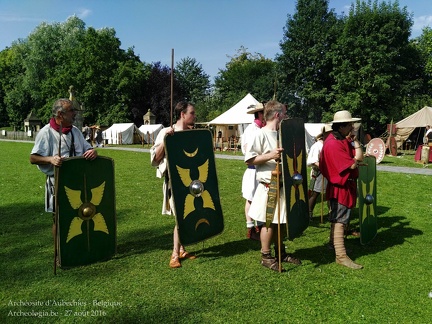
344 116
255 108
325 129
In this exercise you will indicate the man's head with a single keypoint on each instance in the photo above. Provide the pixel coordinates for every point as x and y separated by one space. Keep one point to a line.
64 112
258 111
274 109
185 111
343 122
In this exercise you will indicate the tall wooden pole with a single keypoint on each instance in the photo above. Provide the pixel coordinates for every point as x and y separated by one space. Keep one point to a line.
172 83
56 216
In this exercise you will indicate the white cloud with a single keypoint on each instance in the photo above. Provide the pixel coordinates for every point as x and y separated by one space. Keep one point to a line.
83 13
422 22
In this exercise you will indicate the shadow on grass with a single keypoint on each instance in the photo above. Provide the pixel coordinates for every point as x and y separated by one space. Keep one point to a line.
144 240
229 249
392 231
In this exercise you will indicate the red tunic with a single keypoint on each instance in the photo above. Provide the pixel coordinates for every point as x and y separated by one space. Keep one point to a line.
336 158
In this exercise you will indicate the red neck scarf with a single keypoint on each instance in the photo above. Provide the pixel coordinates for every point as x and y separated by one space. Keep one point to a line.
54 125
259 123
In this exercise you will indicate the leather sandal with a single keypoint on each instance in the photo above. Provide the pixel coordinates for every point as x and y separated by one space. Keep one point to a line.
271 263
175 262
287 257
186 255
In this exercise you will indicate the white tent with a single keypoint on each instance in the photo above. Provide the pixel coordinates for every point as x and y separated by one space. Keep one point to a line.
406 126
122 133
233 121
150 132
311 131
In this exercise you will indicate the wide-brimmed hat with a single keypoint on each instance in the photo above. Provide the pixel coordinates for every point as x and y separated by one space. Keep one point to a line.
344 116
255 108
325 129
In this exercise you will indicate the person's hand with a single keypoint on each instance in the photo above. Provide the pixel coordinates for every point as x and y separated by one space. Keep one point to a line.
276 153
56 160
90 154
170 131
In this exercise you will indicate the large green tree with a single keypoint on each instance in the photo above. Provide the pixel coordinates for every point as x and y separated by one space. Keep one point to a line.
305 64
194 84
245 73
108 80
373 64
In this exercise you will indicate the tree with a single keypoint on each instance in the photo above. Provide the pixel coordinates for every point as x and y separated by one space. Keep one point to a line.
108 80
194 84
157 89
372 64
305 65
245 73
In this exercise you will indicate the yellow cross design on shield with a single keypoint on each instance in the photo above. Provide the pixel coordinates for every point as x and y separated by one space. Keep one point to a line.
196 188
369 205
86 211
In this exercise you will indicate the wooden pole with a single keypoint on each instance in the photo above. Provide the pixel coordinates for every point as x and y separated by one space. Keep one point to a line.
278 210
172 84
322 198
56 216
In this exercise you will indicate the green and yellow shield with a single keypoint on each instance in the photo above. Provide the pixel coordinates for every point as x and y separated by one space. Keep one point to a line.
292 137
195 190
367 184
86 212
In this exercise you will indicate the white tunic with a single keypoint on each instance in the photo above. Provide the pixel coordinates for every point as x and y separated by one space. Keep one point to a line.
264 142
249 181
162 172
316 176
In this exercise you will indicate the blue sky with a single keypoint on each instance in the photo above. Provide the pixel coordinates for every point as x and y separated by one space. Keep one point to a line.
207 30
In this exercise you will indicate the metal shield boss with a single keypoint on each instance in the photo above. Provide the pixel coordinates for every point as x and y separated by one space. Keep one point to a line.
367 184
86 229
194 185
292 137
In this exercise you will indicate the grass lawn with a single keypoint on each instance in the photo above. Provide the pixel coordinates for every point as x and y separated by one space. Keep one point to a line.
226 283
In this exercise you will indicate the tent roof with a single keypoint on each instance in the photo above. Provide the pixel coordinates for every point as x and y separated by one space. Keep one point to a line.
150 128
237 114
421 118
121 127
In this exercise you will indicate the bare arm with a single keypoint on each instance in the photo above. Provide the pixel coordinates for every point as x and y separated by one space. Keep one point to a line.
263 158
159 153
40 160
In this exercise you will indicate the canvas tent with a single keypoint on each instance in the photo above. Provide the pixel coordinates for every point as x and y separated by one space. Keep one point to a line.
233 121
150 132
123 133
311 131
406 126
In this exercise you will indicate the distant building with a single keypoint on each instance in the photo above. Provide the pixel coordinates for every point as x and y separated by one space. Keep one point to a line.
32 123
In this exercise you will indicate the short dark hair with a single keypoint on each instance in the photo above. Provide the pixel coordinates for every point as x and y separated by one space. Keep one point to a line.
181 106
336 126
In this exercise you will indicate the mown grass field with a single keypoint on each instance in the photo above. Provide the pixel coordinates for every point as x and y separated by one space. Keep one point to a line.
226 283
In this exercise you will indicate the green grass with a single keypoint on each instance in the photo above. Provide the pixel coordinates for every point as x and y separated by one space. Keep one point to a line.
226 283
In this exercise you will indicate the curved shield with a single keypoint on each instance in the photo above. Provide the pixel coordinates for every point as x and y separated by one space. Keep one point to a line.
367 184
86 227
292 135
195 190
377 148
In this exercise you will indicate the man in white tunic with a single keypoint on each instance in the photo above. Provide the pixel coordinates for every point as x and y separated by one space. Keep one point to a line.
263 153
249 182
317 182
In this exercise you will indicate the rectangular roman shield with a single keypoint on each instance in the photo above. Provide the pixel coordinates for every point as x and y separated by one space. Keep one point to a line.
367 184
194 185
292 136
86 211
